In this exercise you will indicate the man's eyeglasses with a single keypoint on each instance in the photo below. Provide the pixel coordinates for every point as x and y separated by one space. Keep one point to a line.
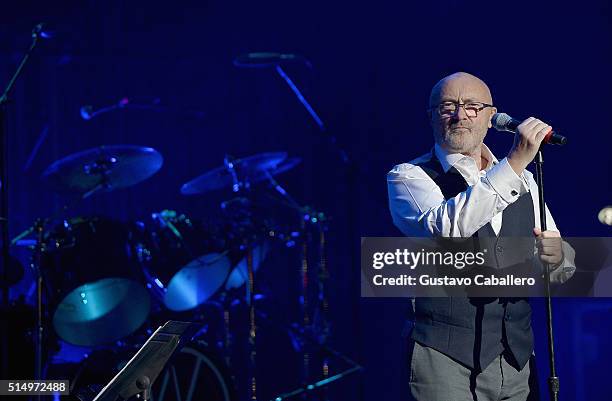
447 109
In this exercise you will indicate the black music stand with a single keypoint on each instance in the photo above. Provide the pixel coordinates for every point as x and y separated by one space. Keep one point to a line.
138 375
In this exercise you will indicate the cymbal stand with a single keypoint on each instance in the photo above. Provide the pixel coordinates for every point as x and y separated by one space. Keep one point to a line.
237 185
306 337
319 325
39 336
37 33
252 326
101 168
38 227
322 323
304 301
228 162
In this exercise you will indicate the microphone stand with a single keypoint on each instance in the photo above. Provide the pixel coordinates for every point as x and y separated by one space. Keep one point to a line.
553 379
4 214
332 139
300 97
88 113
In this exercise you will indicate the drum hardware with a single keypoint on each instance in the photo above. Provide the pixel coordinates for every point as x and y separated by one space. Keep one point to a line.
314 311
180 256
96 170
88 112
84 314
37 34
36 265
38 334
172 236
244 273
307 217
276 60
302 335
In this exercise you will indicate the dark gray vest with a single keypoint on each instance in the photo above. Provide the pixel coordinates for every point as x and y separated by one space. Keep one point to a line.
474 331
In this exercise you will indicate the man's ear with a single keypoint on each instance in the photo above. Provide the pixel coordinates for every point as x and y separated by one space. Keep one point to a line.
493 111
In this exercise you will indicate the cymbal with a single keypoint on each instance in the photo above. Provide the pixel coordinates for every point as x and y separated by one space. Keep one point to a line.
102 169
281 167
244 169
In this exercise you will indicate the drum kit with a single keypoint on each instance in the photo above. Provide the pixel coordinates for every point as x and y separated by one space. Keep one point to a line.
102 282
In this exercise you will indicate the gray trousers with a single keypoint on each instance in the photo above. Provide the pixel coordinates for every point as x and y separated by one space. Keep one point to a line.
436 377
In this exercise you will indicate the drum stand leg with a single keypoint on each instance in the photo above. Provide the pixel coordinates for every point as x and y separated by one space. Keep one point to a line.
38 335
252 327
318 325
227 336
322 282
304 302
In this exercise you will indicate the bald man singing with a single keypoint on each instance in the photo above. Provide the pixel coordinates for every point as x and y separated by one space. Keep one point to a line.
473 348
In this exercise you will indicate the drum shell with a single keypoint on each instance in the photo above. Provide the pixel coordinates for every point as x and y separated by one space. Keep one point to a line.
182 260
95 292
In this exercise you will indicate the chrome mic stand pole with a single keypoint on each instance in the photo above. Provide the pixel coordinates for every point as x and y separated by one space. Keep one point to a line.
553 379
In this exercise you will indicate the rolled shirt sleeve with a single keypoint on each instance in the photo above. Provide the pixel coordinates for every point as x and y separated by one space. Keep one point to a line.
419 209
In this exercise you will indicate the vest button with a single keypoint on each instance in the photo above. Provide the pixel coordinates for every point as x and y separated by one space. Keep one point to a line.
507 317
499 248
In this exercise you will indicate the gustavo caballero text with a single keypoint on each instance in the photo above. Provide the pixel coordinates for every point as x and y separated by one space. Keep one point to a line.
428 280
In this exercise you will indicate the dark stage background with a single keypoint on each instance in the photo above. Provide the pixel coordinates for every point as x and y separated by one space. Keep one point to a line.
373 64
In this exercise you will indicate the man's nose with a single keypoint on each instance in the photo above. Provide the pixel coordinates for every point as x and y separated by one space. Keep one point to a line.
460 113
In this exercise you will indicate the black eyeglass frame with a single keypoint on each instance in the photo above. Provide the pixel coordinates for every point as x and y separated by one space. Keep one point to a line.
457 105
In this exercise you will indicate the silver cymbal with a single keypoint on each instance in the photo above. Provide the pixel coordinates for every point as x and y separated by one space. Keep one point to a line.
102 169
235 172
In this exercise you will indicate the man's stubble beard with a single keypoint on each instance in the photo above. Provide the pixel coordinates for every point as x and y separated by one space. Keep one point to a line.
462 141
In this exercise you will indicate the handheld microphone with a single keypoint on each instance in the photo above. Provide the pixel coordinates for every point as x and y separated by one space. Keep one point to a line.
503 122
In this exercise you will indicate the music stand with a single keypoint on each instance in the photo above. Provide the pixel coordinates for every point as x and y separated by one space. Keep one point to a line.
139 374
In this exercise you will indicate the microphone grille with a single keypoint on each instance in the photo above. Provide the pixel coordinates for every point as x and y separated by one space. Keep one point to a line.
500 121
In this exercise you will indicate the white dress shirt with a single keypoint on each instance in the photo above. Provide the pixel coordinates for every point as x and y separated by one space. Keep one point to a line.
419 209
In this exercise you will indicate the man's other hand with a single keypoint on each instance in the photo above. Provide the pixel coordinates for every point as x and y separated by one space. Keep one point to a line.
549 247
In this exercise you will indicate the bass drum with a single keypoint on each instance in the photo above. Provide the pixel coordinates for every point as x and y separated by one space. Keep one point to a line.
193 374
96 297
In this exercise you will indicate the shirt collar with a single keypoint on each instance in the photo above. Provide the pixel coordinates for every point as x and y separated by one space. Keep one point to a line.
448 160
